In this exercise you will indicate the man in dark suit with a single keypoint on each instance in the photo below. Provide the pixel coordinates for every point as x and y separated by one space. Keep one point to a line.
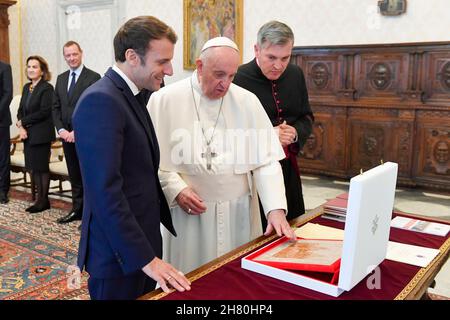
120 244
6 90
69 87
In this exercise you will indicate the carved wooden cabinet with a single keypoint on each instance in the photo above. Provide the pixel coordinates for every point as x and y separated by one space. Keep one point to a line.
379 102
4 32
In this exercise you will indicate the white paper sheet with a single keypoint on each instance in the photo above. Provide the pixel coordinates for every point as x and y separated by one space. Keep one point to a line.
414 255
317 231
438 229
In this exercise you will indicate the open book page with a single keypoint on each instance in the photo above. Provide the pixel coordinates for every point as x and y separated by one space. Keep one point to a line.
438 229
302 251
414 255
317 231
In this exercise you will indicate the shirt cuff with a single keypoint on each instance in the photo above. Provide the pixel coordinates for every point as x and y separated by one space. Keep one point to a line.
61 130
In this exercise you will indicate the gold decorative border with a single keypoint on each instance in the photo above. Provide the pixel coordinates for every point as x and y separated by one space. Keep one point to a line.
299 221
409 288
423 272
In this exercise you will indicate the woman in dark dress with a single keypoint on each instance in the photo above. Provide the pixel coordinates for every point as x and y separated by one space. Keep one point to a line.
36 127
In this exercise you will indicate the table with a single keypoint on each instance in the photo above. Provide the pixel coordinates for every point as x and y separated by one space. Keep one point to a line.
224 279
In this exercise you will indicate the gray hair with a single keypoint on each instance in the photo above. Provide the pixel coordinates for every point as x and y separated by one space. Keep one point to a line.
275 33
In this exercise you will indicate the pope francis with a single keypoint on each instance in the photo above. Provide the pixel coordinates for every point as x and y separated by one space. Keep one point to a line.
218 151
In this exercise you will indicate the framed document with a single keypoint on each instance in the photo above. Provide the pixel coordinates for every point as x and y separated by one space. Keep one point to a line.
302 255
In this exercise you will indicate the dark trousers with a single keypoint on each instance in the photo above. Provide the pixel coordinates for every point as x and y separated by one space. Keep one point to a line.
5 160
73 167
294 193
123 288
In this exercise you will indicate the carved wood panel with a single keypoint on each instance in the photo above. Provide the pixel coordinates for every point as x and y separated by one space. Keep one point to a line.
373 102
436 80
321 74
381 75
326 145
434 139
4 32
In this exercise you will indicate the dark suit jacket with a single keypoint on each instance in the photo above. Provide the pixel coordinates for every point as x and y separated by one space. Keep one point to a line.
63 106
6 91
37 116
123 200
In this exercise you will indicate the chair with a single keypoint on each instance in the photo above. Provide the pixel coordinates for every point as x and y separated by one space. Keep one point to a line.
58 167
16 151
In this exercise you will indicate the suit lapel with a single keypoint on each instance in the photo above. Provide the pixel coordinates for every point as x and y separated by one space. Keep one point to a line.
31 105
63 88
139 111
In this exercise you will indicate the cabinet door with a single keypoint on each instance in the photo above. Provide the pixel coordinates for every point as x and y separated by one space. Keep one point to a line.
324 151
436 78
432 162
322 75
382 75
377 135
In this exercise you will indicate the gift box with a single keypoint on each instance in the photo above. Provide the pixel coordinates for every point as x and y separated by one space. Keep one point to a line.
366 235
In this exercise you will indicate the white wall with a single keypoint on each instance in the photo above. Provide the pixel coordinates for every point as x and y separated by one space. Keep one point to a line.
315 22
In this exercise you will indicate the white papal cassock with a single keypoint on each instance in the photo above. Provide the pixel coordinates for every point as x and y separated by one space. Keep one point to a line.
246 154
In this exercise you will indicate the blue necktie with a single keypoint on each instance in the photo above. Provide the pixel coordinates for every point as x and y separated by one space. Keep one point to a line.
72 85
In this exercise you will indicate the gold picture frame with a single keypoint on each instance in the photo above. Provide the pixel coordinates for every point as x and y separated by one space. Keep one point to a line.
206 19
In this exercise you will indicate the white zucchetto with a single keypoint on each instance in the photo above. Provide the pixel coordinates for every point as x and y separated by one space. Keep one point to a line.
220 42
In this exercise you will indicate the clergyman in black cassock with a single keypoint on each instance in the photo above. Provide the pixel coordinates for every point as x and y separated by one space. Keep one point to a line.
281 88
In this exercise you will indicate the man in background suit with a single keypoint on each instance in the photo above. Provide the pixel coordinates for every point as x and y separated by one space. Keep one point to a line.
69 87
6 91
120 244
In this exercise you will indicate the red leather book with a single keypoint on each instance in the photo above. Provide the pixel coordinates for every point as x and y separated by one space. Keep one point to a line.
311 255
337 204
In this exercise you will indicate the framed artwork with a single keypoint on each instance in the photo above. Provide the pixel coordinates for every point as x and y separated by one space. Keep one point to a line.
392 7
206 19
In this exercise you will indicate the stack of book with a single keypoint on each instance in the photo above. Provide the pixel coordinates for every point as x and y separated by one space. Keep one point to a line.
336 209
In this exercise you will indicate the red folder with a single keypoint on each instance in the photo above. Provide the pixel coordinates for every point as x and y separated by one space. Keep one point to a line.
307 256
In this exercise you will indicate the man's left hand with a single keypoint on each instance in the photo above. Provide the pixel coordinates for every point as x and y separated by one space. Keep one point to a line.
286 133
276 220
71 137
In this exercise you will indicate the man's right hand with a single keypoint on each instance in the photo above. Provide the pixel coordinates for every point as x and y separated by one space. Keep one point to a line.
23 134
190 201
165 274
286 134
67 136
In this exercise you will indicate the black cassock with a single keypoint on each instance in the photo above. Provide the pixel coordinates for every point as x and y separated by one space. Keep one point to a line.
285 99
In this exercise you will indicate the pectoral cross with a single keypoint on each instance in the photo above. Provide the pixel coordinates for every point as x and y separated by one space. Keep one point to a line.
208 155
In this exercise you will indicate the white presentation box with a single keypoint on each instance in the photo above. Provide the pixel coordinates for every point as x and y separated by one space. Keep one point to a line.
366 234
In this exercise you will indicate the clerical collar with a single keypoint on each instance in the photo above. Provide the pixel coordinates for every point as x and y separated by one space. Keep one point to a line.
134 89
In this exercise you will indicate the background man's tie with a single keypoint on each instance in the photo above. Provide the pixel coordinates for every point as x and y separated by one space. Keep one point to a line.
72 85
